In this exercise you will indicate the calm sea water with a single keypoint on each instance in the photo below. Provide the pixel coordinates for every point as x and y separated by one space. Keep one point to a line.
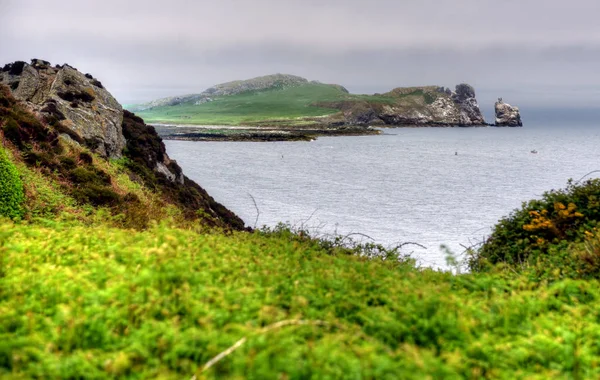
431 186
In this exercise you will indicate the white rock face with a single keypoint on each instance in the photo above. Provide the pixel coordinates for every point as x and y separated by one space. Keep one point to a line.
507 115
426 106
78 101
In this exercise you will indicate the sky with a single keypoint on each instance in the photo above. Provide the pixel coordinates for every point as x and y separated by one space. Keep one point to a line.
533 53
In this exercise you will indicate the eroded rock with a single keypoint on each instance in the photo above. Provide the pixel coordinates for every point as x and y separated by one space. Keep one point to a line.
90 114
507 115
464 97
421 106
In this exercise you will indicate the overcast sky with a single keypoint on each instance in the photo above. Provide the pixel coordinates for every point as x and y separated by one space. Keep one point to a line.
532 52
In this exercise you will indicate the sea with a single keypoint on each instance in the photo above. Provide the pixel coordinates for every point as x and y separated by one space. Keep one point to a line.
435 191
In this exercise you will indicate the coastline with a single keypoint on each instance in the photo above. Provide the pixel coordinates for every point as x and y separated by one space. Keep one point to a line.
255 133
187 132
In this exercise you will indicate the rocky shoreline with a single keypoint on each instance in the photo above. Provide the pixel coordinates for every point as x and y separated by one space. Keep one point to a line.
256 134
274 134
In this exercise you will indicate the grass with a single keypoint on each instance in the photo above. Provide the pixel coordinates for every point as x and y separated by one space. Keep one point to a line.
253 107
100 302
137 291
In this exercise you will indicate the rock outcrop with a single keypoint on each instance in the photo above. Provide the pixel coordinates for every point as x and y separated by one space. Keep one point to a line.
424 106
91 115
507 115
61 101
464 98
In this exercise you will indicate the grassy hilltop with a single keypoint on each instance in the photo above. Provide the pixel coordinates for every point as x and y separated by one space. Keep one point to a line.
107 271
291 104
250 107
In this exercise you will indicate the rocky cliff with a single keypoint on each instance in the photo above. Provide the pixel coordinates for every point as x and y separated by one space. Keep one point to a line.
79 102
417 106
507 115
44 107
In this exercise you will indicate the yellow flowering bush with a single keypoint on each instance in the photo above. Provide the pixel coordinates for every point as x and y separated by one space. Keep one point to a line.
559 218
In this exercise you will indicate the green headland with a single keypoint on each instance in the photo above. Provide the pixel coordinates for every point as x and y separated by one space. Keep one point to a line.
289 103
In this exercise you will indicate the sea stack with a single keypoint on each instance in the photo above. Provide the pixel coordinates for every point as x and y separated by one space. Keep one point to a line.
507 115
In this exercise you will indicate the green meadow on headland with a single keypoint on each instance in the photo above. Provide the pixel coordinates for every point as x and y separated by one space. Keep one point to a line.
109 269
250 107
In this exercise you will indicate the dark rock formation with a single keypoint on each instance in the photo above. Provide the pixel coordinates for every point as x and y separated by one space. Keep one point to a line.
146 150
360 113
507 115
87 111
464 97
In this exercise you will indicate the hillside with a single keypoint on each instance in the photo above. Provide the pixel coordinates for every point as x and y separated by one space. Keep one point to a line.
247 107
77 147
268 82
98 302
298 103
112 268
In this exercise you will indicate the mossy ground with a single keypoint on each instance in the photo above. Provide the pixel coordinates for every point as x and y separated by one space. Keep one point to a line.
100 302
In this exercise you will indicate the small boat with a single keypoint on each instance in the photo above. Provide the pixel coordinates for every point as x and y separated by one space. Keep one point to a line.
534 151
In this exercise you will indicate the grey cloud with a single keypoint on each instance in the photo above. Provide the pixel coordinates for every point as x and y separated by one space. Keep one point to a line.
540 53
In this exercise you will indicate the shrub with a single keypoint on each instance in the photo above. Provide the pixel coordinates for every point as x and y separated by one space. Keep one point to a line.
90 175
71 96
86 158
96 195
11 189
540 226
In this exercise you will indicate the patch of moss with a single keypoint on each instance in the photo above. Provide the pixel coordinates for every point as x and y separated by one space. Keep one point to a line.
15 68
11 188
89 176
86 158
72 96
96 195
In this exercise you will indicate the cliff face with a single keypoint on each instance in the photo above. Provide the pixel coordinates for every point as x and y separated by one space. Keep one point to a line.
507 115
420 106
78 101
41 103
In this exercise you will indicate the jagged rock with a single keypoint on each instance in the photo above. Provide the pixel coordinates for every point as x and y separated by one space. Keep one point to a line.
359 114
89 113
424 106
507 115
464 97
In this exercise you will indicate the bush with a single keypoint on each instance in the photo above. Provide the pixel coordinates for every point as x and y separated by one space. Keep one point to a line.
11 189
542 226
96 195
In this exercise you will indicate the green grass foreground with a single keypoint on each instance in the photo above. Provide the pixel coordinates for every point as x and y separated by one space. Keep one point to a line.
257 106
99 302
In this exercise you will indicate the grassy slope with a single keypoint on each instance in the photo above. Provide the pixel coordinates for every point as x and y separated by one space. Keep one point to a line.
278 104
99 302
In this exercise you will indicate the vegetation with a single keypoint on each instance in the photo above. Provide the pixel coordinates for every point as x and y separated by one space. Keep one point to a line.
11 188
543 230
129 189
108 275
99 302
250 107
289 103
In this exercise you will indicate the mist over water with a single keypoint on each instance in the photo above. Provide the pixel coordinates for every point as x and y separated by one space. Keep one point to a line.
431 186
